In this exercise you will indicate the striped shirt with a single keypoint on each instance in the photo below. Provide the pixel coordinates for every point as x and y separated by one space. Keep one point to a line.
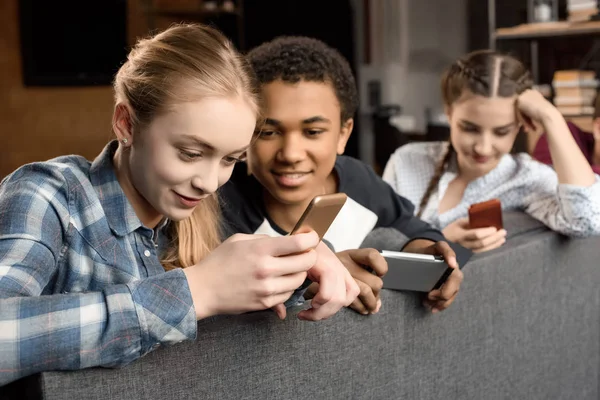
81 284
520 183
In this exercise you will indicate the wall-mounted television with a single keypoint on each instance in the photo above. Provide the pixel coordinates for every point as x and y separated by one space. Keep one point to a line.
72 42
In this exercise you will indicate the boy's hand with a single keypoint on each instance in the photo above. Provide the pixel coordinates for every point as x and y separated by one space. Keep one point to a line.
439 299
478 240
356 261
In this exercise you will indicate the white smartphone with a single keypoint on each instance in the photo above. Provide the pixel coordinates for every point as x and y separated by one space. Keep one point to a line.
414 272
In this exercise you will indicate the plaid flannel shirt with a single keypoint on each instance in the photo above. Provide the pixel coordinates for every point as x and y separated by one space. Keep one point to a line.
80 280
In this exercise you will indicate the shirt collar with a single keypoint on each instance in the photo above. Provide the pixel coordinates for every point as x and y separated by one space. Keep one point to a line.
498 174
119 212
505 162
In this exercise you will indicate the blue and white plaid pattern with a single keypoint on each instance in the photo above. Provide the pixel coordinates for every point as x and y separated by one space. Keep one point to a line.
80 280
520 183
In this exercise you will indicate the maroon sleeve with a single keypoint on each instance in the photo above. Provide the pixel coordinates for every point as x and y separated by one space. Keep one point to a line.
584 140
542 151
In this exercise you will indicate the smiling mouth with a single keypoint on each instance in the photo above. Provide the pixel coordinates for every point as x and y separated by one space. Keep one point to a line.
290 179
481 159
188 198
294 174
188 202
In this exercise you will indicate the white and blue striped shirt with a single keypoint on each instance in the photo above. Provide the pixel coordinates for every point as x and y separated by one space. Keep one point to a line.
520 183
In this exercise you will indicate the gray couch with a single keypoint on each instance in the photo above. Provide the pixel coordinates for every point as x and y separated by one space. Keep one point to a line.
526 325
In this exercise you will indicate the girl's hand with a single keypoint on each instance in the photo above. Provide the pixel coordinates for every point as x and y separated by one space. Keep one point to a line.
251 272
477 240
533 110
336 287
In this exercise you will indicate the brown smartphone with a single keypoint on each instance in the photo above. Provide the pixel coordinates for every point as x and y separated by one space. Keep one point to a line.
320 213
486 214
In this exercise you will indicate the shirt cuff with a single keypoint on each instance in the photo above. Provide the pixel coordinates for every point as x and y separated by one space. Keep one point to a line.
583 192
433 236
580 208
165 309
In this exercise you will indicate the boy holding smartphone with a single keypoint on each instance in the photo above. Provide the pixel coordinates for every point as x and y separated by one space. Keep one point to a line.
310 98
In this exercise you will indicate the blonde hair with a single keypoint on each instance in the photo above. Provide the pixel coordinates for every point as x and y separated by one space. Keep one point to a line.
484 73
186 62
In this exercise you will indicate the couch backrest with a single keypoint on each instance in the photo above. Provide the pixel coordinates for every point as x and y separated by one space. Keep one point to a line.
526 325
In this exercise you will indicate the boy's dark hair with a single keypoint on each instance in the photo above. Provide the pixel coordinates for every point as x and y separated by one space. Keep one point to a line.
296 58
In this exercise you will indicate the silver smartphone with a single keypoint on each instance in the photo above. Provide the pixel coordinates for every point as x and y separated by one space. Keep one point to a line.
414 272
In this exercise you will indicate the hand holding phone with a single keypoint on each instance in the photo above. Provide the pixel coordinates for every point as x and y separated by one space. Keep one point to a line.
414 272
336 287
478 240
367 267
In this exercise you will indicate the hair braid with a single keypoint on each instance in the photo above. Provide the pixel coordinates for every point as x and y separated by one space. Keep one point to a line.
470 74
435 179
524 82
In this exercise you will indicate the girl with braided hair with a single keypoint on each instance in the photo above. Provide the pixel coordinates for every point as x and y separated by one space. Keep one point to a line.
488 100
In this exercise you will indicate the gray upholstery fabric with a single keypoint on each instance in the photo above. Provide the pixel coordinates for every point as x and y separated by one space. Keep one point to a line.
517 223
385 239
526 325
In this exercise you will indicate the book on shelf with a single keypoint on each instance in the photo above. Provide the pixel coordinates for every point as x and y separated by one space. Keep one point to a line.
581 16
580 9
588 83
573 75
574 87
573 101
576 110
581 5
575 91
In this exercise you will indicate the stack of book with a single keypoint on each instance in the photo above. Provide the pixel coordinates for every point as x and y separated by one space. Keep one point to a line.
582 10
575 92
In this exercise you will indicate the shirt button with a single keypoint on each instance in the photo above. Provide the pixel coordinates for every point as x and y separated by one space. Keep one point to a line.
147 253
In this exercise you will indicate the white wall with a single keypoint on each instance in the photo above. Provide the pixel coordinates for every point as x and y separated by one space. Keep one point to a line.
412 41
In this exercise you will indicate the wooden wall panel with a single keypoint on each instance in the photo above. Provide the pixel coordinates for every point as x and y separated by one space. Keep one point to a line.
41 123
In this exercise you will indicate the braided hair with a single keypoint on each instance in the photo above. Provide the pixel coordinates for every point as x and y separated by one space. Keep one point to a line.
485 73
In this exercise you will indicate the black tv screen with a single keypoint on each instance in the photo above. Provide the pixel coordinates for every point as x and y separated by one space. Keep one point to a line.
72 42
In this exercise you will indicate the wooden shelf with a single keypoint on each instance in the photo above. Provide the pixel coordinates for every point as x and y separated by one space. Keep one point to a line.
549 29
